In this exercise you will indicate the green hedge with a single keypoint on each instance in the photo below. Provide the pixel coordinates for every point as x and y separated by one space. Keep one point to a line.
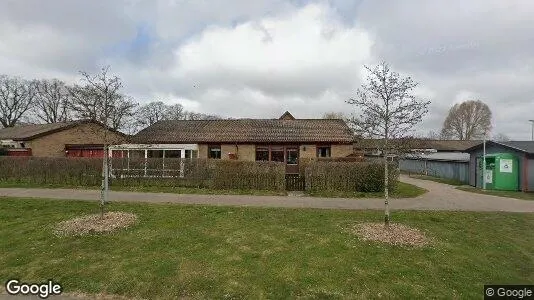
348 176
229 174
55 171
201 173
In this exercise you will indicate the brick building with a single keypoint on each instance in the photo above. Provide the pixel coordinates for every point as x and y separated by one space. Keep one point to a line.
83 138
283 140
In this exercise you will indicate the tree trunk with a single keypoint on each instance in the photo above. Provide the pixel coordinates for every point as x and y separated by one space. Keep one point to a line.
104 187
386 189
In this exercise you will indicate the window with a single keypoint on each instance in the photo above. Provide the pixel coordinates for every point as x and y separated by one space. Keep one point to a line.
155 153
292 156
173 153
323 151
214 151
277 154
137 153
262 153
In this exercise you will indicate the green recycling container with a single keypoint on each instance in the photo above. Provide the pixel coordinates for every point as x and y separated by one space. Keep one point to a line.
502 172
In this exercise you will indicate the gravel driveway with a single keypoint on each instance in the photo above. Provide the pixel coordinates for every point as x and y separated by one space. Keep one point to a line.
439 197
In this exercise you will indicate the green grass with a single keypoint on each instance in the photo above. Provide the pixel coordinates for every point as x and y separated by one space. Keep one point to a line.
203 191
509 194
250 253
149 189
403 190
437 179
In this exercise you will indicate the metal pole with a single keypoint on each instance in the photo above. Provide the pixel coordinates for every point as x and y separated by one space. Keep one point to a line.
532 130
484 163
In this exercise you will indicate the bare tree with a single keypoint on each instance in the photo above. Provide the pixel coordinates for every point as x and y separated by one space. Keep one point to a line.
433 135
155 111
151 113
16 99
501 137
389 110
200 116
468 120
51 101
122 110
100 99
175 112
334 115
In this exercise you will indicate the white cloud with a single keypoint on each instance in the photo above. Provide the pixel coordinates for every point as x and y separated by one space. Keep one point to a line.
294 57
242 58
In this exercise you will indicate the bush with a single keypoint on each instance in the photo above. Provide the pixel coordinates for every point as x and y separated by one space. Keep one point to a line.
55 171
348 176
231 174
200 173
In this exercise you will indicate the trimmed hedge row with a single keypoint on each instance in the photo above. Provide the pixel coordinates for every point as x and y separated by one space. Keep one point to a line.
200 173
56 171
348 176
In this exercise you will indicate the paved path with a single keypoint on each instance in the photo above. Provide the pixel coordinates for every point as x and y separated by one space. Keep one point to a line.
439 197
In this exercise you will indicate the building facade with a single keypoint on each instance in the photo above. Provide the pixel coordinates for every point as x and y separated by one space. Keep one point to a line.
69 139
286 139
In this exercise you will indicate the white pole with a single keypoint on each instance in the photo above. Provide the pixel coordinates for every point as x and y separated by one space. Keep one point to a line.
532 130
484 163
106 147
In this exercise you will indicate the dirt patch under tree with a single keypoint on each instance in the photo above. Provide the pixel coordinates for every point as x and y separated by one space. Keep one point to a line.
396 234
95 224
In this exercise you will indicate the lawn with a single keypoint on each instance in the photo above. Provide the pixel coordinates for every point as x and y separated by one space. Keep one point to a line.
509 194
149 189
404 190
234 252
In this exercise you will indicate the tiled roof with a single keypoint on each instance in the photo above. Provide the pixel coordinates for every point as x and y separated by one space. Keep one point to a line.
246 130
29 132
439 145
450 145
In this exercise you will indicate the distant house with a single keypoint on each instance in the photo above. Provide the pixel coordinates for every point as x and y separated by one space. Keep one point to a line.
439 158
83 138
523 151
371 146
284 140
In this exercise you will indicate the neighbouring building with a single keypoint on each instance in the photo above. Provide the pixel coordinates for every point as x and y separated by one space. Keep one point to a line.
284 140
371 146
82 138
439 158
519 153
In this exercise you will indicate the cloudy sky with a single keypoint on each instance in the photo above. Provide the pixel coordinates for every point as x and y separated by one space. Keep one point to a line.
242 58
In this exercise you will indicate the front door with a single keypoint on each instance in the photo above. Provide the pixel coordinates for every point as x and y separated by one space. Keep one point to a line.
292 160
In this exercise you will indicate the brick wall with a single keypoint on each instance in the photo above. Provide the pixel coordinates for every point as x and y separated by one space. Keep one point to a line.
310 152
226 149
202 151
247 152
341 150
53 145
